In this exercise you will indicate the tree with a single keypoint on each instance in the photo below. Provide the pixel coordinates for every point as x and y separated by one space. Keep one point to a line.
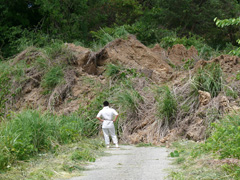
230 22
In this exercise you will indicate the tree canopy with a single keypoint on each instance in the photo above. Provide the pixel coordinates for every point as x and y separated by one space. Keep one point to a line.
74 20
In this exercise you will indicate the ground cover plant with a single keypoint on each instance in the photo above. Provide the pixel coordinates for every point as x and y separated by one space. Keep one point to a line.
209 78
216 158
65 162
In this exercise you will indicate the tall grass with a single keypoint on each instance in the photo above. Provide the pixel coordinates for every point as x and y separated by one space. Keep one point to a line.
106 35
129 99
53 77
167 106
209 78
30 132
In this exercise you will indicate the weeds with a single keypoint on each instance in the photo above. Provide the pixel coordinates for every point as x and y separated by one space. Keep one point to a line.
31 132
225 138
197 159
57 164
209 78
167 106
53 77
106 35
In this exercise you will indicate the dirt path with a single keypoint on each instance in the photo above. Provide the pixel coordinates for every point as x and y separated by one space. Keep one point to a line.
129 163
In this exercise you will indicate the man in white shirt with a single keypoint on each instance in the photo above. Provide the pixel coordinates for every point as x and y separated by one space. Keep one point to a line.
106 116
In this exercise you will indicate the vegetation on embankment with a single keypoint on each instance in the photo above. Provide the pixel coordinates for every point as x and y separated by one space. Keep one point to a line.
215 158
149 111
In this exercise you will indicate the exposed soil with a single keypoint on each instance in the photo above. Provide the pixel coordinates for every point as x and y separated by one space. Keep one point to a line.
156 63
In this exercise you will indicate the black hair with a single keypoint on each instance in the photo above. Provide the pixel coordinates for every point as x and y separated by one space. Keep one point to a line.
105 103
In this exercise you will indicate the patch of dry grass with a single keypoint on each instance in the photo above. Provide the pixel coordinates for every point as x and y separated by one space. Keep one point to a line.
58 164
196 167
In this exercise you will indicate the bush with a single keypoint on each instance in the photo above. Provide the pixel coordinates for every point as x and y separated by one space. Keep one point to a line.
225 138
209 78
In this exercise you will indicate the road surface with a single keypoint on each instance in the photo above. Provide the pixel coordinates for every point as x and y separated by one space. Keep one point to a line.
129 163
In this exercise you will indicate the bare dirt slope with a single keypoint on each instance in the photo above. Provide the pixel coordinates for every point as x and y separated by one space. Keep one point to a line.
129 163
84 78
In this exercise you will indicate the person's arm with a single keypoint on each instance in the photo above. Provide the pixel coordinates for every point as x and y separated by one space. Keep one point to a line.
115 118
101 120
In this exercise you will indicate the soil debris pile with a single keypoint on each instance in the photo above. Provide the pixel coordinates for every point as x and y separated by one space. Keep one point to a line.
80 76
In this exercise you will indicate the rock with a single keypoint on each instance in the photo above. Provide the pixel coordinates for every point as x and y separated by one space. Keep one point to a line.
204 97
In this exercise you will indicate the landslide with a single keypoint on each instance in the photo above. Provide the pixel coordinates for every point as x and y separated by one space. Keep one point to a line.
84 77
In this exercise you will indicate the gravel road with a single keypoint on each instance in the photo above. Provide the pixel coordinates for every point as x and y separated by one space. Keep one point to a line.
129 163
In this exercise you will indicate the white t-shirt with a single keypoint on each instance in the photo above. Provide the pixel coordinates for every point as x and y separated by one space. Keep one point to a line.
107 114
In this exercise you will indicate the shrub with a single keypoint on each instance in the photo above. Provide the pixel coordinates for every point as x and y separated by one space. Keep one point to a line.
209 78
225 138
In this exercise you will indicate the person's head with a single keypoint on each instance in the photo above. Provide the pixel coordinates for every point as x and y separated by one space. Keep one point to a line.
106 103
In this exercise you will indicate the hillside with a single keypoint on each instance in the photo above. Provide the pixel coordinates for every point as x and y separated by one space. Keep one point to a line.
137 80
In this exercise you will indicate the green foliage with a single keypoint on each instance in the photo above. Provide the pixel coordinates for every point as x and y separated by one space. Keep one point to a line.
225 138
238 76
230 22
53 77
30 132
106 35
129 99
40 21
230 92
192 163
174 154
118 72
189 64
4 85
84 155
227 22
209 78
144 145
167 105
232 169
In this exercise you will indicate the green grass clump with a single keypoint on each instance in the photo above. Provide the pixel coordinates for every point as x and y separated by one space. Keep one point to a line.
106 35
118 72
129 99
30 132
209 78
84 155
238 76
167 106
53 77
